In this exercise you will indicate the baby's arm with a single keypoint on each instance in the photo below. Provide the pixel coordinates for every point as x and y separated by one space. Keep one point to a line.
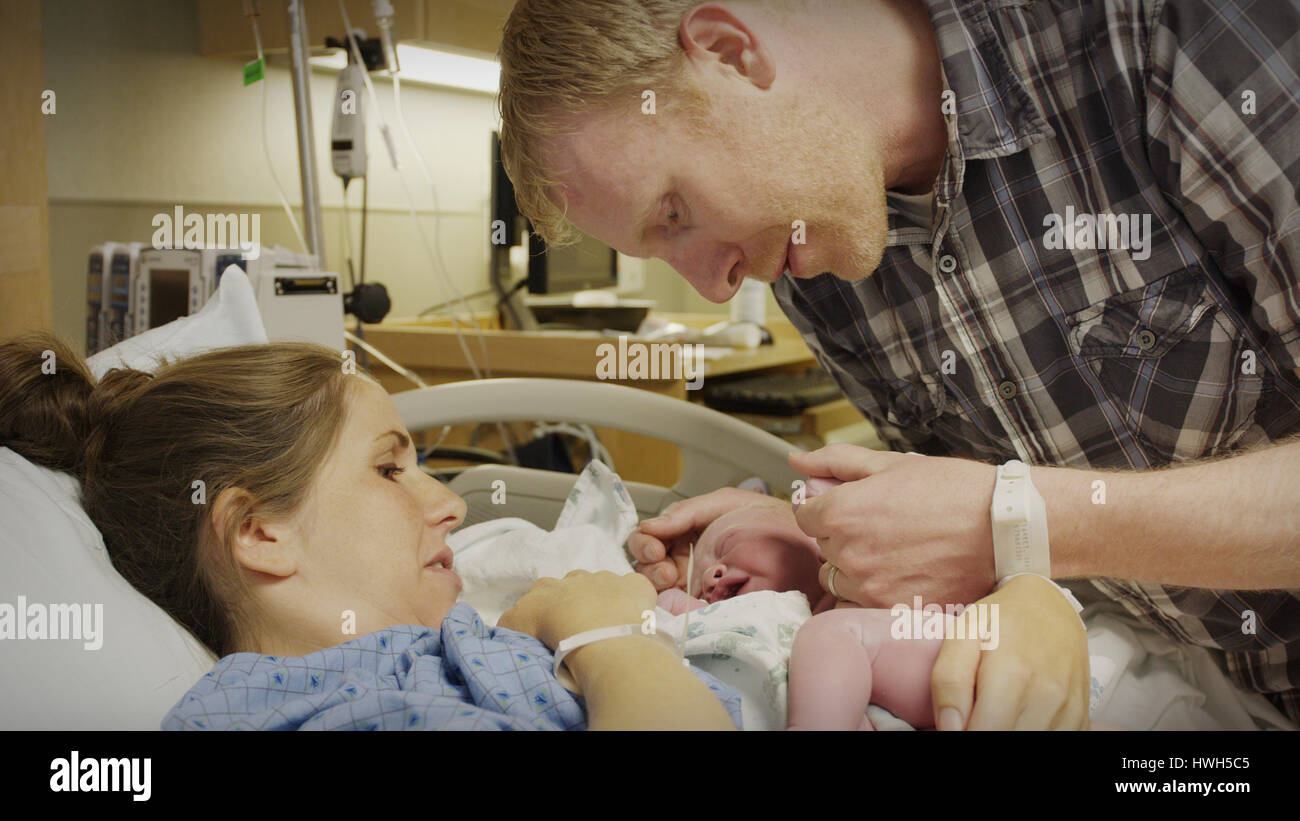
845 659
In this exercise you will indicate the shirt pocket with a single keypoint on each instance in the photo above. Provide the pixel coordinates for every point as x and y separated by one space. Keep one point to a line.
920 415
901 410
1177 371
912 404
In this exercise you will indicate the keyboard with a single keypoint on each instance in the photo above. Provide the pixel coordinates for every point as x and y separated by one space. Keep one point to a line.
778 394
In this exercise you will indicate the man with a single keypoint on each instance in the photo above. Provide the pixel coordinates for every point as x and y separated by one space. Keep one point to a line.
1064 233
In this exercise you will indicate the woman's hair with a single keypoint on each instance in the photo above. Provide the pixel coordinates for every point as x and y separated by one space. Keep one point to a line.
154 452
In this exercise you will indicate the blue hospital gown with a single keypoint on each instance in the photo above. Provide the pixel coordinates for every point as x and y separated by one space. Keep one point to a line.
464 676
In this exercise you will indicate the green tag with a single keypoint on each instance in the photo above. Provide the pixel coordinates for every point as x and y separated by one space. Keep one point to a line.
254 71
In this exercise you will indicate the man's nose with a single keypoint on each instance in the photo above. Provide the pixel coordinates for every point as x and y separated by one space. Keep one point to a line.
715 274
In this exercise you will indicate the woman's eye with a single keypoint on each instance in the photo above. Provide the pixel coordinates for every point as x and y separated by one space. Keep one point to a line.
390 472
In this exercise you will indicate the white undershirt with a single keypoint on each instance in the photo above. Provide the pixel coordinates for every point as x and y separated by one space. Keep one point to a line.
915 208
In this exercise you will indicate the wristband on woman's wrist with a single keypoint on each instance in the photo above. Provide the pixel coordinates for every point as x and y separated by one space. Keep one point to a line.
1069 597
578 640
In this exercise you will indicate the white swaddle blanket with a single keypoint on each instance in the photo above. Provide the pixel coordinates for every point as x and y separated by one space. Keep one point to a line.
744 641
1141 679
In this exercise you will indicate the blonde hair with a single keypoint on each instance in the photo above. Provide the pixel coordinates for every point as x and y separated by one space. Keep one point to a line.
260 418
562 58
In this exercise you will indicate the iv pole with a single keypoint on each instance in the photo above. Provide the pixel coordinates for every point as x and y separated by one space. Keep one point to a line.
299 51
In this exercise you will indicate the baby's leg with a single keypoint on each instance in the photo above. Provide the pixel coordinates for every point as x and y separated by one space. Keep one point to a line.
830 672
845 659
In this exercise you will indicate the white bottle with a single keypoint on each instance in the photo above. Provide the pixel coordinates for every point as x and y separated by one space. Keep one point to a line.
749 304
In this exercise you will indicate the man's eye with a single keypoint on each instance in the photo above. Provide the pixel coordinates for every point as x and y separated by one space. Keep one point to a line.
390 472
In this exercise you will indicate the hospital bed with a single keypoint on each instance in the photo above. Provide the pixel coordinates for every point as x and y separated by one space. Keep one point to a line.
717 450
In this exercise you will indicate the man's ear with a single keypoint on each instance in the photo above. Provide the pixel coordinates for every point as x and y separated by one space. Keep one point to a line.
712 32
260 544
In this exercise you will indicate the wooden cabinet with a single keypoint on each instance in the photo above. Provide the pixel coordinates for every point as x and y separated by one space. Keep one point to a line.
24 213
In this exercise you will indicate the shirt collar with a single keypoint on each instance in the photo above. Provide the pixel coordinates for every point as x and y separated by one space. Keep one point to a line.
996 116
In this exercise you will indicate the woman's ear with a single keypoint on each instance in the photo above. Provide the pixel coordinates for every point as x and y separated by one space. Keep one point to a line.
261 544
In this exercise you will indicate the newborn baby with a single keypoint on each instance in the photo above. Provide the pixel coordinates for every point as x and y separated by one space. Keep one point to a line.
749 549
843 658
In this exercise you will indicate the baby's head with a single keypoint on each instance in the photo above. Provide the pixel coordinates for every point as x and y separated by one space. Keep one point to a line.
755 548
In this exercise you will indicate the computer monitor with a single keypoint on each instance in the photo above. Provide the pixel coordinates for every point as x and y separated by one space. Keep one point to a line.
584 266
587 265
504 207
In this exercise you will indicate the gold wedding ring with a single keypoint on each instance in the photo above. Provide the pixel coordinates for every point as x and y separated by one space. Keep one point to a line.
830 579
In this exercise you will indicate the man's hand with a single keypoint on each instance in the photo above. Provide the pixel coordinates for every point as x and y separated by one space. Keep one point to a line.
661 546
554 609
1036 678
901 525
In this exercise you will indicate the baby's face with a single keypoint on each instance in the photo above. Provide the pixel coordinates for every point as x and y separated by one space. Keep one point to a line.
755 548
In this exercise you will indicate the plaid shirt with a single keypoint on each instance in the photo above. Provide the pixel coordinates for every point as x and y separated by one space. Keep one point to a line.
982 335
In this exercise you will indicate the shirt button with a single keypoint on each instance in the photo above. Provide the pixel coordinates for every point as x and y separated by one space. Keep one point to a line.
1007 389
947 263
1146 339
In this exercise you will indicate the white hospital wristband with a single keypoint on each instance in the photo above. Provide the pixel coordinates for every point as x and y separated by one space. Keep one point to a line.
577 640
1019 519
1069 597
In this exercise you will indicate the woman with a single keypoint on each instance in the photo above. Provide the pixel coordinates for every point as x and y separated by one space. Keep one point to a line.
272 504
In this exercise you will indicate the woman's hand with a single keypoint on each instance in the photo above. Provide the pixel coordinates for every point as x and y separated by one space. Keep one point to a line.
661 546
628 683
554 609
1035 678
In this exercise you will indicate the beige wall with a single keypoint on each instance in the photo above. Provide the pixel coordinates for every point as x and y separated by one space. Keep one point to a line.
144 124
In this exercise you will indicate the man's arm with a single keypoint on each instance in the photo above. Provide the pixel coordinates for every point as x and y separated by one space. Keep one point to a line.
1223 129
1230 523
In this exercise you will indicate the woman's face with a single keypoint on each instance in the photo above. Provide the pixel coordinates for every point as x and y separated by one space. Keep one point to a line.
373 531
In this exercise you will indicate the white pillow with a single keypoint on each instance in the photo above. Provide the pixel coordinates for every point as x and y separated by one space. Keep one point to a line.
52 554
230 317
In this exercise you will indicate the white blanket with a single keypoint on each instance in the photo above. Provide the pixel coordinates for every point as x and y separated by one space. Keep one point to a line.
744 641
1141 679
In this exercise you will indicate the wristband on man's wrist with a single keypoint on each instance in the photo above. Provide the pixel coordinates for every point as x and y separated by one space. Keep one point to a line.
1019 520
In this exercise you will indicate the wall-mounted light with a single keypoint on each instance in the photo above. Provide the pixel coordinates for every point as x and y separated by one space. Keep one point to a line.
435 67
